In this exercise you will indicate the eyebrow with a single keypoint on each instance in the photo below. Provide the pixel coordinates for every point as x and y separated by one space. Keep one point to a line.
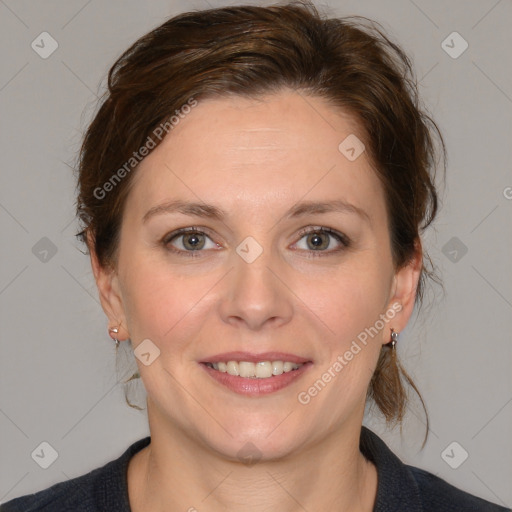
213 212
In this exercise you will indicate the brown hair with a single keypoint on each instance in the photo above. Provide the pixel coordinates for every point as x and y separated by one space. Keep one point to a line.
250 51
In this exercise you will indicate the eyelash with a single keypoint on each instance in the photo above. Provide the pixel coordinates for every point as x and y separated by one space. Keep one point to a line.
343 239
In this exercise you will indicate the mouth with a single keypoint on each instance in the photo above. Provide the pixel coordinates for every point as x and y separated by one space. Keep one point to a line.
255 374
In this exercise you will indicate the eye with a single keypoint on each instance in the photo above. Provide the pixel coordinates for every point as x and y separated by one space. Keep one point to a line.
192 240
318 239
188 241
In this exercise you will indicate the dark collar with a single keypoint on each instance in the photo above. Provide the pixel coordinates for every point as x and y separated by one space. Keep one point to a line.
112 482
397 488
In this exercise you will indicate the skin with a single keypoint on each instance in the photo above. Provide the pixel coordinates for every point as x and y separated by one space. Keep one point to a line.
255 159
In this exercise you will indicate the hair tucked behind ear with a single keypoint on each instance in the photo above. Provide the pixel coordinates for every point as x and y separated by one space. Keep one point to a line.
388 392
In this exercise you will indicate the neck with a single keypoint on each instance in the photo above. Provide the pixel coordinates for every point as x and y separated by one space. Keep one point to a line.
175 472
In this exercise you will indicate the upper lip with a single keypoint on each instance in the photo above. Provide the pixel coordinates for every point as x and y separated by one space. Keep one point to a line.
254 358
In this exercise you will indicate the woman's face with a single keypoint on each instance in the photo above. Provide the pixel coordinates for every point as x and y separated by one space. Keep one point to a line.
256 281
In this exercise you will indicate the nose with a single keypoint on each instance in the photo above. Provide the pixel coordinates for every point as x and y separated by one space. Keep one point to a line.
255 293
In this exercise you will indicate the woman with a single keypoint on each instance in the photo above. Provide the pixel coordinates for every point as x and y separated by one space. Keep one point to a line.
252 192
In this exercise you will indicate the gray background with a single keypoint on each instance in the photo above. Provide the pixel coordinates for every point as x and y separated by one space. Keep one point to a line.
58 380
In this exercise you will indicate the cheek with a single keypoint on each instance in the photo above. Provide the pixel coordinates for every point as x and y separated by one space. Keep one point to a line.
161 303
351 298
357 297
350 304
152 299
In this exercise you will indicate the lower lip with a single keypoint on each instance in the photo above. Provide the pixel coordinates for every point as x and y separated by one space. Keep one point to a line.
256 387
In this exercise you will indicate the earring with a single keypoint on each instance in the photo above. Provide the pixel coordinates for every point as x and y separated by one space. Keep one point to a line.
113 334
394 339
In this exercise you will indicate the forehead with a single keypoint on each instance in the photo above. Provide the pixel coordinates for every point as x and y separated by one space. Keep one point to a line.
258 154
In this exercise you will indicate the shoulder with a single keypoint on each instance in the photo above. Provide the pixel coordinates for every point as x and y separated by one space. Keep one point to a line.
101 490
75 494
437 495
405 487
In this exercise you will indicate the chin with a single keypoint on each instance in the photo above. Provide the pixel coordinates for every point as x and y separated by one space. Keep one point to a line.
253 448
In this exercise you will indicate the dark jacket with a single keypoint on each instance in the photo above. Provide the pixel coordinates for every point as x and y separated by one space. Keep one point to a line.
401 488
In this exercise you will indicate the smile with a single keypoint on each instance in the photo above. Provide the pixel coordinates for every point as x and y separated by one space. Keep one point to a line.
262 375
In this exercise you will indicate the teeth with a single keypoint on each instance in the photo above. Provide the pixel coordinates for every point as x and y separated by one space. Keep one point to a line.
259 370
288 367
233 368
277 367
263 370
246 369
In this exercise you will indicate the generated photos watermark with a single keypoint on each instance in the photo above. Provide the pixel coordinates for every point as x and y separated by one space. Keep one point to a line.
159 132
304 397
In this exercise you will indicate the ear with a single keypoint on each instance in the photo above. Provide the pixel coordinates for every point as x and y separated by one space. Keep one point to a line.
109 291
405 285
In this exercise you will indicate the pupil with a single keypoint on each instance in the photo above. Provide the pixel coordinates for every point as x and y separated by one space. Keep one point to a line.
193 241
316 240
